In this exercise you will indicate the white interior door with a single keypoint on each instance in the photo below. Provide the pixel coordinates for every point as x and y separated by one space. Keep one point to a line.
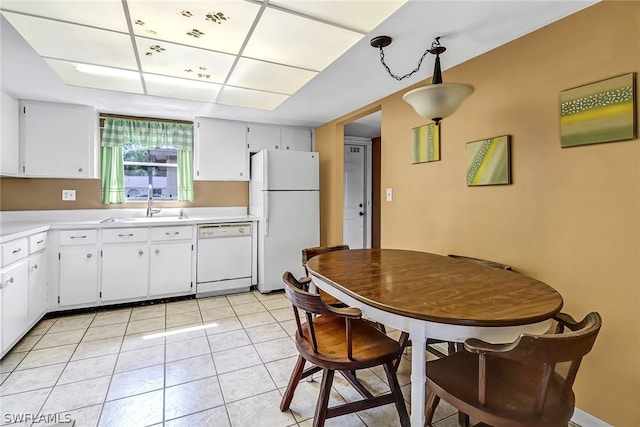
355 201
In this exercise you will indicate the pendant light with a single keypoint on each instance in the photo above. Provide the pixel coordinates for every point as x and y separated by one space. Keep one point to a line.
437 100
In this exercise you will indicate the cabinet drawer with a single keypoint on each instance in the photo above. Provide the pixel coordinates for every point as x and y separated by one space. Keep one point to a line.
37 242
14 250
171 233
78 237
125 235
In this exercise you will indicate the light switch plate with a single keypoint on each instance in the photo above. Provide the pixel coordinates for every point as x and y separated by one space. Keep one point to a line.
68 194
389 194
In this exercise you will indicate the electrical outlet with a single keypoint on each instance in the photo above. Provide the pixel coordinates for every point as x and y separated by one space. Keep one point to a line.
68 194
389 194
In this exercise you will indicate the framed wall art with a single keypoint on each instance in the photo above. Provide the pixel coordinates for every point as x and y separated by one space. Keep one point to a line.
603 111
425 143
488 162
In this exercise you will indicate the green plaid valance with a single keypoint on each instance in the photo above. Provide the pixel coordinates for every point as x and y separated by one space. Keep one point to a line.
151 134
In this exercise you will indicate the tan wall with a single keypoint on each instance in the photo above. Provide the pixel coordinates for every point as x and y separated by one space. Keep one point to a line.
571 217
32 193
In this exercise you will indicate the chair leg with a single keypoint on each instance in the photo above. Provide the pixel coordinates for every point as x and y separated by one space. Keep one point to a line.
295 378
431 404
397 393
404 343
463 419
323 398
452 347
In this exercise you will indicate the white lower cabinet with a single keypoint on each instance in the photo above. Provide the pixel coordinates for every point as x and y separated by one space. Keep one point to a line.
78 268
171 260
15 303
23 285
125 264
170 268
124 272
38 275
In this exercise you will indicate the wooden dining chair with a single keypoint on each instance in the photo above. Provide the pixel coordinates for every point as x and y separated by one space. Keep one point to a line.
309 253
338 339
515 384
451 346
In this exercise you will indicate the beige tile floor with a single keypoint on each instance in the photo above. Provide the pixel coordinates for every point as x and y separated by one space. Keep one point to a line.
219 361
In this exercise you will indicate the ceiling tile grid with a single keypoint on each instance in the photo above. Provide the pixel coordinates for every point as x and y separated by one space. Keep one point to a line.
244 53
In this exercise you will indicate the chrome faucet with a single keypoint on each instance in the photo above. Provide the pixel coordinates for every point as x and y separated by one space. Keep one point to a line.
150 210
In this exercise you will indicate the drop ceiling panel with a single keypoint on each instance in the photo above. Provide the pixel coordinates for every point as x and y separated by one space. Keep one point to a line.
97 77
73 42
107 14
253 74
292 40
171 87
220 25
240 97
359 15
183 61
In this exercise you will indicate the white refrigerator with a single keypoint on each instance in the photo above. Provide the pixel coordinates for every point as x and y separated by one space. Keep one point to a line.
284 194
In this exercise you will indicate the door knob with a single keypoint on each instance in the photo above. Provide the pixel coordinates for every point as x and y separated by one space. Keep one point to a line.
361 213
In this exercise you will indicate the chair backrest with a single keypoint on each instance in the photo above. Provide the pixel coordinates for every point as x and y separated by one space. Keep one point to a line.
558 347
312 304
300 298
309 253
545 351
482 261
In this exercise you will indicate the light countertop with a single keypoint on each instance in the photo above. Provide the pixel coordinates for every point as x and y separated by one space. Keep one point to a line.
16 224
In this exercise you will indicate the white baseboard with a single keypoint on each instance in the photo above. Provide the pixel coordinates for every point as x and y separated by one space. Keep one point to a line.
584 419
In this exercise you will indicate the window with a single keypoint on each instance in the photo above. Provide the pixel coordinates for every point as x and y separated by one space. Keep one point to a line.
138 153
157 167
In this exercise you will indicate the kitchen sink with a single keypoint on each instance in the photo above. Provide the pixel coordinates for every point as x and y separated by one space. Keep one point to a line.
144 219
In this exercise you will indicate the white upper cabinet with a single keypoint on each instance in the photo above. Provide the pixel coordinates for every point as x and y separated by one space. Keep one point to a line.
260 137
9 139
296 139
272 137
220 150
58 140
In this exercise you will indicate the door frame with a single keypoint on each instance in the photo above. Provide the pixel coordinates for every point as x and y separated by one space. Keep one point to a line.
367 146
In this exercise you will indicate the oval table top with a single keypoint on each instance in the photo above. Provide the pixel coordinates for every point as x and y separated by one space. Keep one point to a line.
437 288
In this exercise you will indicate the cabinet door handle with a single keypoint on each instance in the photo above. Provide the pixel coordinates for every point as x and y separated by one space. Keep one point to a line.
140 252
39 241
10 280
89 255
173 233
16 251
35 267
125 235
78 237
157 251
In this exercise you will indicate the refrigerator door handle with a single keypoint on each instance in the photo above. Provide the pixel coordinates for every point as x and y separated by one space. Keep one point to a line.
265 205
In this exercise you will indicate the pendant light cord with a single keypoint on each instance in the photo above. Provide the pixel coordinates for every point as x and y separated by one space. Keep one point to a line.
434 45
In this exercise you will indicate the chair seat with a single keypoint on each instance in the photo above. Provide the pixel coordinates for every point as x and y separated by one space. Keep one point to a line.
370 348
455 378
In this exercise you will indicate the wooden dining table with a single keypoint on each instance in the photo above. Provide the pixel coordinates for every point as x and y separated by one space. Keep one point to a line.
434 296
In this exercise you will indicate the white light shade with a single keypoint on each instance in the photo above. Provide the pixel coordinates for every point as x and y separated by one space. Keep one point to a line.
437 101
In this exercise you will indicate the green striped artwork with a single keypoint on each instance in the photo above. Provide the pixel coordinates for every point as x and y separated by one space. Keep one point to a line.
598 112
488 162
425 143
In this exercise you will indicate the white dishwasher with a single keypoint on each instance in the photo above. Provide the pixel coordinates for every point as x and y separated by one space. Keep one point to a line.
224 258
